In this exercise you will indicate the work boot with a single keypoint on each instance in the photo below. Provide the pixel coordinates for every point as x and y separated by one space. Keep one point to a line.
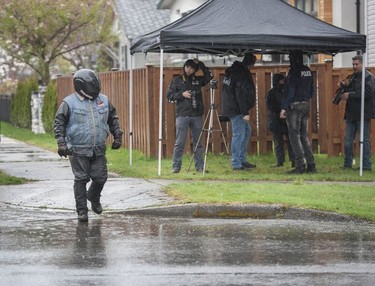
83 217
311 168
298 170
93 195
248 165
96 207
278 165
176 170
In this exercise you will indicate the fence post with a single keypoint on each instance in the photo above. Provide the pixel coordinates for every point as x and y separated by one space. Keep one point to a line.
326 118
36 110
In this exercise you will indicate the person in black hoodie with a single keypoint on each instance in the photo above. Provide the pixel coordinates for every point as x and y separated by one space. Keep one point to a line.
185 92
237 98
296 109
276 125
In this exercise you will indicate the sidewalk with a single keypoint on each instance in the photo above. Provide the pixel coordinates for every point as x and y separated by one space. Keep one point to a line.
53 185
52 189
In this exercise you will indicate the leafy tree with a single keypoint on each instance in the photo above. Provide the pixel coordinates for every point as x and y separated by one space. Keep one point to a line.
37 32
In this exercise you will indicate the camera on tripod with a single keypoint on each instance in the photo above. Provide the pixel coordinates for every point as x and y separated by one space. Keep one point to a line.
213 83
194 102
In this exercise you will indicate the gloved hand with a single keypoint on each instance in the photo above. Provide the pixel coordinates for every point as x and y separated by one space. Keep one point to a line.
63 150
117 142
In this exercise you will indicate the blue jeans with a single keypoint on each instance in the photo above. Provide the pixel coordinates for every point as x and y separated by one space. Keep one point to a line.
241 132
182 125
297 128
352 128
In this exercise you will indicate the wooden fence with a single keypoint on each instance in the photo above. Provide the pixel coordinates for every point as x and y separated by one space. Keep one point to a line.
326 125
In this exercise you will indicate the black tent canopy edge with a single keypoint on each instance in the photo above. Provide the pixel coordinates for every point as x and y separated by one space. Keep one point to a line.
173 39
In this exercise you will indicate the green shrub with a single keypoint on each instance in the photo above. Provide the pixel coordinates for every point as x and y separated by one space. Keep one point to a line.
49 107
21 103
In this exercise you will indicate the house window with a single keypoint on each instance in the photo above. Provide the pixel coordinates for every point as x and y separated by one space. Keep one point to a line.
307 6
124 57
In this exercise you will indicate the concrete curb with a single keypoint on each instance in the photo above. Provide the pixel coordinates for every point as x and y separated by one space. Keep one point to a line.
241 211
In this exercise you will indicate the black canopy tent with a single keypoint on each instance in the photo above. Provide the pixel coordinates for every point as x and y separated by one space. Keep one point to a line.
234 27
229 27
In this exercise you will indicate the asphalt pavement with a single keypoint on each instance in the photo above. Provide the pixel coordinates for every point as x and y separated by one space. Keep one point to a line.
51 187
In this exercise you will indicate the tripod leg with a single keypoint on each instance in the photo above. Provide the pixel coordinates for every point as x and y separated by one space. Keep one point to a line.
209 135
222 133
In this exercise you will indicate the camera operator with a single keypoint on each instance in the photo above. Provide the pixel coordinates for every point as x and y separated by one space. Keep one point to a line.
353 113
185 92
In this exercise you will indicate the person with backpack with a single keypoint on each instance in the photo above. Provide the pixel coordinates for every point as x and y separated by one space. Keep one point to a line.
353 113
237 98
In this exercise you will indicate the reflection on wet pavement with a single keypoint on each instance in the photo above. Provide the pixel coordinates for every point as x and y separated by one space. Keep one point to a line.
38 248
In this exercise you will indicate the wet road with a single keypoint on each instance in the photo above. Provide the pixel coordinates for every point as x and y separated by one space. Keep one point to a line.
49 248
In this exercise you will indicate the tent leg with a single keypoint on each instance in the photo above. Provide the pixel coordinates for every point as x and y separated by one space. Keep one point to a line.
361 131
160 110
131 110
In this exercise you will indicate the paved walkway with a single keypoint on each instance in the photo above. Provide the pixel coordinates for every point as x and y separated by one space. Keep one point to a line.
53 185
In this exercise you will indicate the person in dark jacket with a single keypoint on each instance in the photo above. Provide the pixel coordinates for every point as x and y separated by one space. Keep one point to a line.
185 92
237 98
276 125
82 124
353 113
296 108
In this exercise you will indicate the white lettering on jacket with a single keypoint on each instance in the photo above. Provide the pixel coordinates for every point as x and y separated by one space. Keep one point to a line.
305 73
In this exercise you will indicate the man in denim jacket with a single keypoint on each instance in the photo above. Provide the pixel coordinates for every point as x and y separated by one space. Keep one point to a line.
83 122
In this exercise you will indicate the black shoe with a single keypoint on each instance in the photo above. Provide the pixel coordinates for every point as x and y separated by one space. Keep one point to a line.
242 168
293 164
278 165
96 208
311 168
201 171
176 170
248 165
346 167
83 217
297 170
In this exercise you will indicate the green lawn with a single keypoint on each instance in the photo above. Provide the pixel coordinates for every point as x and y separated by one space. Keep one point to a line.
357 201
330 189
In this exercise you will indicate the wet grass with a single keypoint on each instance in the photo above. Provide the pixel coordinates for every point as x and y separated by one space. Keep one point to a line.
357 201
218 165
331 189
10 180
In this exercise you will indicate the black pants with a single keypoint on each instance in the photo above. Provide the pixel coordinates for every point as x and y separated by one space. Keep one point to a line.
297 126
84 169
279 143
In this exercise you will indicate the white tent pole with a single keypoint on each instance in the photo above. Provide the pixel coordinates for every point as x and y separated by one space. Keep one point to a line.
364 63
160 109
130 109
362 115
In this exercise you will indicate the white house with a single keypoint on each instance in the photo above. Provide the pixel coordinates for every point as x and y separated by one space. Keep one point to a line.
135 18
